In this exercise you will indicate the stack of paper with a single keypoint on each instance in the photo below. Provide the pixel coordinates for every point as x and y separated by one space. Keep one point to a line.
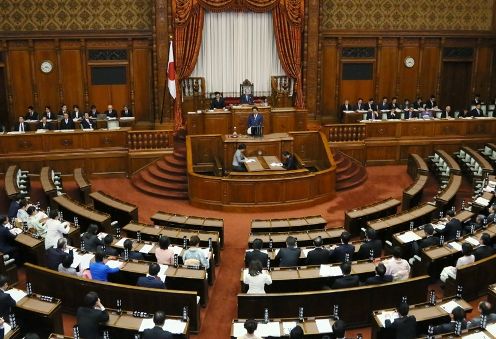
114 264
176 249
269 329
120 243
146 248
161 273
383 316
16 294
409 237
102 235
146 324
306 250
450 306
481 201
323 325
491 328
472 241
330 271
456 246
238 330
287 326
478 335
174 326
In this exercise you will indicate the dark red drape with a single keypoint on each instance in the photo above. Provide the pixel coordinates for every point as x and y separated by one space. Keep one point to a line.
188 28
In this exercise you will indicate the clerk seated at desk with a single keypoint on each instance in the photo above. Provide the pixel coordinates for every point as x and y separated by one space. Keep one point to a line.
289 161
151 280
239 159
126 112
21 126
132 255
86 123
217 102
111 112
346 107
44 124
255 123
66 123
371 108
246 98
405 326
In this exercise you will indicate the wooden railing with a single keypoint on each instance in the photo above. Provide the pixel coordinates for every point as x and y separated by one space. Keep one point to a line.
150 140
345 132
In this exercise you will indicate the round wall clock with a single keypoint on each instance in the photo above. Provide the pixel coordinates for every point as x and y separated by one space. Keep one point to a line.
409 62
46 66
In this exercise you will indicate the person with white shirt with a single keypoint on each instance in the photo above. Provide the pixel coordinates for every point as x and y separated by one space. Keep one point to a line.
239 159
22 214
55 229
396 266
35 222
466 259
256 278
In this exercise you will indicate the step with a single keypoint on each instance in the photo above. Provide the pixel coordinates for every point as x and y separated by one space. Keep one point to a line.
359 178
166 185
167 167
143 187
175 162
345 166
352 171
179 156
166 176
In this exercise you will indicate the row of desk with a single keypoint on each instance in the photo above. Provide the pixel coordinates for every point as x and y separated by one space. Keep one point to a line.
356 219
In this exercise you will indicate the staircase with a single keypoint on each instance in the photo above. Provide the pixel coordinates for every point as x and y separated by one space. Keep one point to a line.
165 178
349 172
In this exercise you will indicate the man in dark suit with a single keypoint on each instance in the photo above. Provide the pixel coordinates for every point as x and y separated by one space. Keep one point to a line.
246 98
217 102
405 326
344 107
384 105
6 301
21 126
431 103
288 256
476 112
339 329
157 332
319 255
371 244
430 239
255 122
256 253
371 108
453 226
457 315
91 316
476 225
340 251
109 250
492 214
486 309
126 112
418 104
76 114
346 280
31 114
289 161
111 112
66 123
132 255
485 248
380 276
93 112
394 103
90 239
410 113
7 244
44 124
151 280
55 256
360 106
447 113
48 113
86 123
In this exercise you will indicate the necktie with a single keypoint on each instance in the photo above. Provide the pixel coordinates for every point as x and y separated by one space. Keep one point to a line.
22 127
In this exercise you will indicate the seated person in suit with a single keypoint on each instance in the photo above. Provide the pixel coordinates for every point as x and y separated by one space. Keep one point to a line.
477 224
86 123
217 102
256 253
289 256
476 112
394 103
43 124
491 216
406 104
255 122
344 108
151 280
448 113
430 239
380 276
340 251
238 163
346 280
21 126
453 227
485 249
31 115
164 255
66 123
109 250
256 278
360 106
319 255
7 243
48 113
76 114
410 113
431 103
371 108
91 316
63 110
384 105
93 112
246 98
339 329
457 315
7 303
405 326
99 269
466 259
250 327
131 255
485 309
289 161
477 100
126 112
397 266
55 256
194 255
418 104
371 244
90 239
111 112
65 265
14 206
157 332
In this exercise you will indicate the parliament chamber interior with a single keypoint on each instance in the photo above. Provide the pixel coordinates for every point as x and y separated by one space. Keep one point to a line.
247 169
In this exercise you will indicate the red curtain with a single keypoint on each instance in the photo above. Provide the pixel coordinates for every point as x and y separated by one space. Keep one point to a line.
188 27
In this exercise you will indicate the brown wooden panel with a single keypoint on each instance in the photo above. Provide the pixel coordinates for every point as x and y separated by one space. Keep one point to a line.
417 129
382 130
483 76
449 128
219 123
381 153
206 189
408 77
99 139
282 121
429 73
299 189
120 96
423 150
242 193
354 89
107 163
20 82
72 79
66 166
269 192
142 69
194 123
328 83
46 83
386 70
64 141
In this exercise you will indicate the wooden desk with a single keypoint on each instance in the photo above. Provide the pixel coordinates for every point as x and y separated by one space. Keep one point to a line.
416 165
190 222
10 180
412 195
305 238
85 214
83 185
320 303
119 210
264 163
452 164
446 199
288 224
356 219
483 163
72 289
47 184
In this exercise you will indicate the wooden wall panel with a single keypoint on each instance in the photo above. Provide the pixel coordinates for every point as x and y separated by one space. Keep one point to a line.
329 80
20 81
71 71
387 67
353 89
483 72
143 101
429 75
46 84
408 77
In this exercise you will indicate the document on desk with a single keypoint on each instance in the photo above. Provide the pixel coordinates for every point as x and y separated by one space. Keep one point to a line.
287 326
409 237
439 226
176 249
323 325
161 273
120 243
146 324
146 248
6 328
456 246
174 326
330 271
481 201
101 235
306 250
114 264
491 328
472 241
16 294
84 261
238 330
383 316
269 329
478 335
450 306
249 160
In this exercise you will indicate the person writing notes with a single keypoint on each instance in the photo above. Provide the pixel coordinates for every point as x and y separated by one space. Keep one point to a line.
239 159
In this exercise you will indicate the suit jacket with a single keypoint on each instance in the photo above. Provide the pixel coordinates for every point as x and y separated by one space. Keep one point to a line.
93 115
376 280
344 108
89 320
360 107
372 106
91 242
54 257
318 256
450 114
385 106
110 251
252 121
246 99
430 104
66 125
429 241
151 282
411 115
290 163
346 281
475 113
364 251
218 103
128 114
256 255
451 228
406 327
79 116
86 124
6 305
16 127
46 126
448 327
339 253
156 333
288 256
112 114
133 255
369 116
6 240
50 116
482 252
417 105
33 116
